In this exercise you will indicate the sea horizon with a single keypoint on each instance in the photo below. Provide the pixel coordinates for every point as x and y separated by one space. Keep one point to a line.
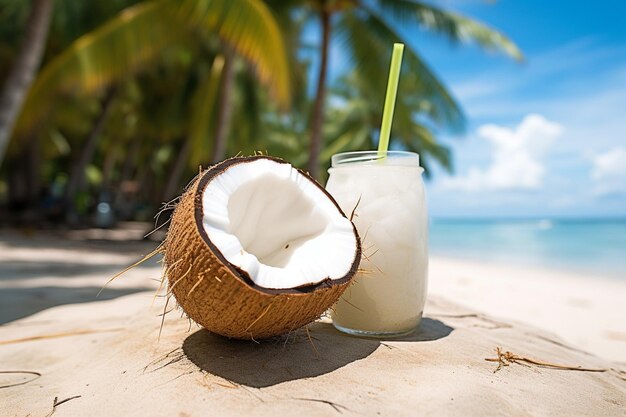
579 245
566 218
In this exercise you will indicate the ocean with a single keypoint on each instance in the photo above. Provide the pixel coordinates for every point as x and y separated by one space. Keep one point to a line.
581 246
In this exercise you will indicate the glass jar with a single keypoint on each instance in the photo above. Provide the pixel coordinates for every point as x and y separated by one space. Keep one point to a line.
387 199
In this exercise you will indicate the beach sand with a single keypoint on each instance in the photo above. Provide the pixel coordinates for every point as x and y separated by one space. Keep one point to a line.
72 354
588 312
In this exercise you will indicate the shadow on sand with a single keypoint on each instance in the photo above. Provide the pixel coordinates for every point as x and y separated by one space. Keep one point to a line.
17 303
284 359
429 330
17 270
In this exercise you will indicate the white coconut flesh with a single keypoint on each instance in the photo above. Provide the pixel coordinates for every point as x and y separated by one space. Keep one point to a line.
277 225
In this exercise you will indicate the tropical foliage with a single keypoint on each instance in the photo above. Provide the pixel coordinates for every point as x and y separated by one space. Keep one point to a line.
134 95
366 29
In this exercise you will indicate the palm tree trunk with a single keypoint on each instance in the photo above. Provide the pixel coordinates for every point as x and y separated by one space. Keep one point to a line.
122 203
76 179
34 170
24 69
171 188
317 119
225 109
108 167
24 184
129 162
17 179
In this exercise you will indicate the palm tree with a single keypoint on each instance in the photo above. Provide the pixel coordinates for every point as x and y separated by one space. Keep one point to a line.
134 40
354 121
368 27
24 68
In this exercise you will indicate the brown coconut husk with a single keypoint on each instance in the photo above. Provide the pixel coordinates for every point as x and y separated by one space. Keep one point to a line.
221 297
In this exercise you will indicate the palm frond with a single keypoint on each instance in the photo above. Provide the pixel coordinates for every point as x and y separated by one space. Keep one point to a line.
422 141
132 41
249 27
417 79
350 131
454 26
202 106
118 48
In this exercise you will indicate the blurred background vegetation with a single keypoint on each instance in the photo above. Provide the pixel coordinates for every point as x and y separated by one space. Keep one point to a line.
109 107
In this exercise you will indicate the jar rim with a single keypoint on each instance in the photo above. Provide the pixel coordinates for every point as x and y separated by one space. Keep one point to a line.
393 158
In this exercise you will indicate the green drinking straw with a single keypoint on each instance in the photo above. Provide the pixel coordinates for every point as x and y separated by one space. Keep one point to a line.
390 99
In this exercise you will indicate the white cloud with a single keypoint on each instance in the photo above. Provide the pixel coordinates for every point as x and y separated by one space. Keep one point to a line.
609 171
582 86
516 159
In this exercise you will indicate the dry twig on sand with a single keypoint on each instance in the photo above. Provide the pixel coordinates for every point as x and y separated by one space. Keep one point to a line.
36 375
507 358
57 403
335 406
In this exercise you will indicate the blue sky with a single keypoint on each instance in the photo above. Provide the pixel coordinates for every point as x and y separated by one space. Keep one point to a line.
546 137
565 107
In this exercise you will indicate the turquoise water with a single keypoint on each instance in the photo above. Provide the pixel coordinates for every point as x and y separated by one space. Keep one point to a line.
581 246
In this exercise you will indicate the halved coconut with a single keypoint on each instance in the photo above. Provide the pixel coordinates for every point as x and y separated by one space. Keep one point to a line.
257 248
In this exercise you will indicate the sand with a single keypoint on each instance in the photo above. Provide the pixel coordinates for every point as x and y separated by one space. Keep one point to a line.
104 357
588 312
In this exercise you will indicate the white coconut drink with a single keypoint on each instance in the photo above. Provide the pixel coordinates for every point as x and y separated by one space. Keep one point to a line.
257 248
